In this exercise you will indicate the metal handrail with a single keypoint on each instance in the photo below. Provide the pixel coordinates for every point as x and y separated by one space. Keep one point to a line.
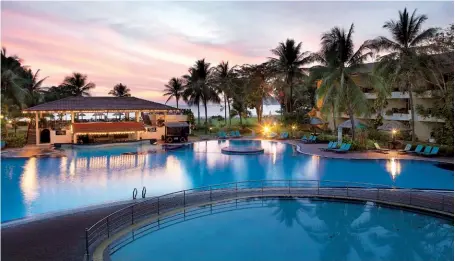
156 206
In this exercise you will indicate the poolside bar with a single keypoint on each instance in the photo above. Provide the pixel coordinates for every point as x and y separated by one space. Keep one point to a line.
110 120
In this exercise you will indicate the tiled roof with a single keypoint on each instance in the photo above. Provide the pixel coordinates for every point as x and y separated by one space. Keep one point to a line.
99 104
106 127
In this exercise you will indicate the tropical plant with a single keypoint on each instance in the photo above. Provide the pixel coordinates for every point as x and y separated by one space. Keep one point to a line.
342 63
174 89
77 84
256 87
34 87
120 90
223 80
288 64
402 62
192 93
12 81
205 82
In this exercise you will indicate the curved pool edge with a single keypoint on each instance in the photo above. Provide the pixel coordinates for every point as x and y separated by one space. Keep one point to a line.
101 250
62 213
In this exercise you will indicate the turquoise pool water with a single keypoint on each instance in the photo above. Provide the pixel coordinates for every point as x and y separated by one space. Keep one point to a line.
296 229
101 174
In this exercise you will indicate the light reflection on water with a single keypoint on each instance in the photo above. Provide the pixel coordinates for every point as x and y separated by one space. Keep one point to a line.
99 175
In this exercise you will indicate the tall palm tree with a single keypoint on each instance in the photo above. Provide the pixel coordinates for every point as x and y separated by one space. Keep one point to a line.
224 76
78 85
34 87
192 93
120 90
342 65
289 62
203 75
407 42
174 89
12 80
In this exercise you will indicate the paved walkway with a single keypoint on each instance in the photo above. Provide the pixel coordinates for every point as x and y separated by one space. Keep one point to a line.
61 238
314 149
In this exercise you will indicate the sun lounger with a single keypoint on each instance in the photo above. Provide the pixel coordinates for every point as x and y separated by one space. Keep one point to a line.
304 138
237 134
330 146
233 134
334 147
222 135
343 150
309 139
313 140
406 149
417 149
433 152
380 150
283 136
427 150
272 135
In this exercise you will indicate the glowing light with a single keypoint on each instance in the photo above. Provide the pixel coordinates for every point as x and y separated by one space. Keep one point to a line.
393 167
394 131
274 123
29 181
266 129
294 127
1 117
10 121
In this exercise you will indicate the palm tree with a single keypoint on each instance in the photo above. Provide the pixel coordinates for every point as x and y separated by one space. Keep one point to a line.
224 76
408 41
77 84
120 90
174 89
33 86
288 63
205 82
12 80
192 93
342 63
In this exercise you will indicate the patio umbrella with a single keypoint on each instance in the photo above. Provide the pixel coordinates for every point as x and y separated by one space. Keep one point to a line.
392 125
314 121
347 124
98 114
119 114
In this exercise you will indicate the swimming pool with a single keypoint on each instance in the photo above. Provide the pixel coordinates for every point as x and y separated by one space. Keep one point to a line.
295 229
102 174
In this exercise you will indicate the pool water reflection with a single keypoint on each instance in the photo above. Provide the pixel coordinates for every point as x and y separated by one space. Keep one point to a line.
95 175
295 229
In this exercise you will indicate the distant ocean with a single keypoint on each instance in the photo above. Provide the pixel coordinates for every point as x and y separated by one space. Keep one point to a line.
214 110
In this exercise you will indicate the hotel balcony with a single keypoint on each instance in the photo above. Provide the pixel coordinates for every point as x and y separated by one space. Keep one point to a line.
397 117
400 95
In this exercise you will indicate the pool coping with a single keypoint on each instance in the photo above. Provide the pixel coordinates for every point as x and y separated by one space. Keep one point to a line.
101 252
62 213
294 142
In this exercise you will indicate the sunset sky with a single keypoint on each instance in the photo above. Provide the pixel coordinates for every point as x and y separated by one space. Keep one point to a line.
144 44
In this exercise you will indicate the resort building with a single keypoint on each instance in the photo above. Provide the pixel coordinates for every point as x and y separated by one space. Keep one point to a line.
82 120
397 112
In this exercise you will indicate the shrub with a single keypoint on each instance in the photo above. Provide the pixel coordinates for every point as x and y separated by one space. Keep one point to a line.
378 135
15 141
324 137
295 118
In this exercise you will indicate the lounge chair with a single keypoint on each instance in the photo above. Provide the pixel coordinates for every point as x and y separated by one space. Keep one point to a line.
283 136
330 146
406 149
433 152
222 135
418 149
272 135
304 138
343 150
233 134
309 139
380 150
427 150
237 134
313 140
335 146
